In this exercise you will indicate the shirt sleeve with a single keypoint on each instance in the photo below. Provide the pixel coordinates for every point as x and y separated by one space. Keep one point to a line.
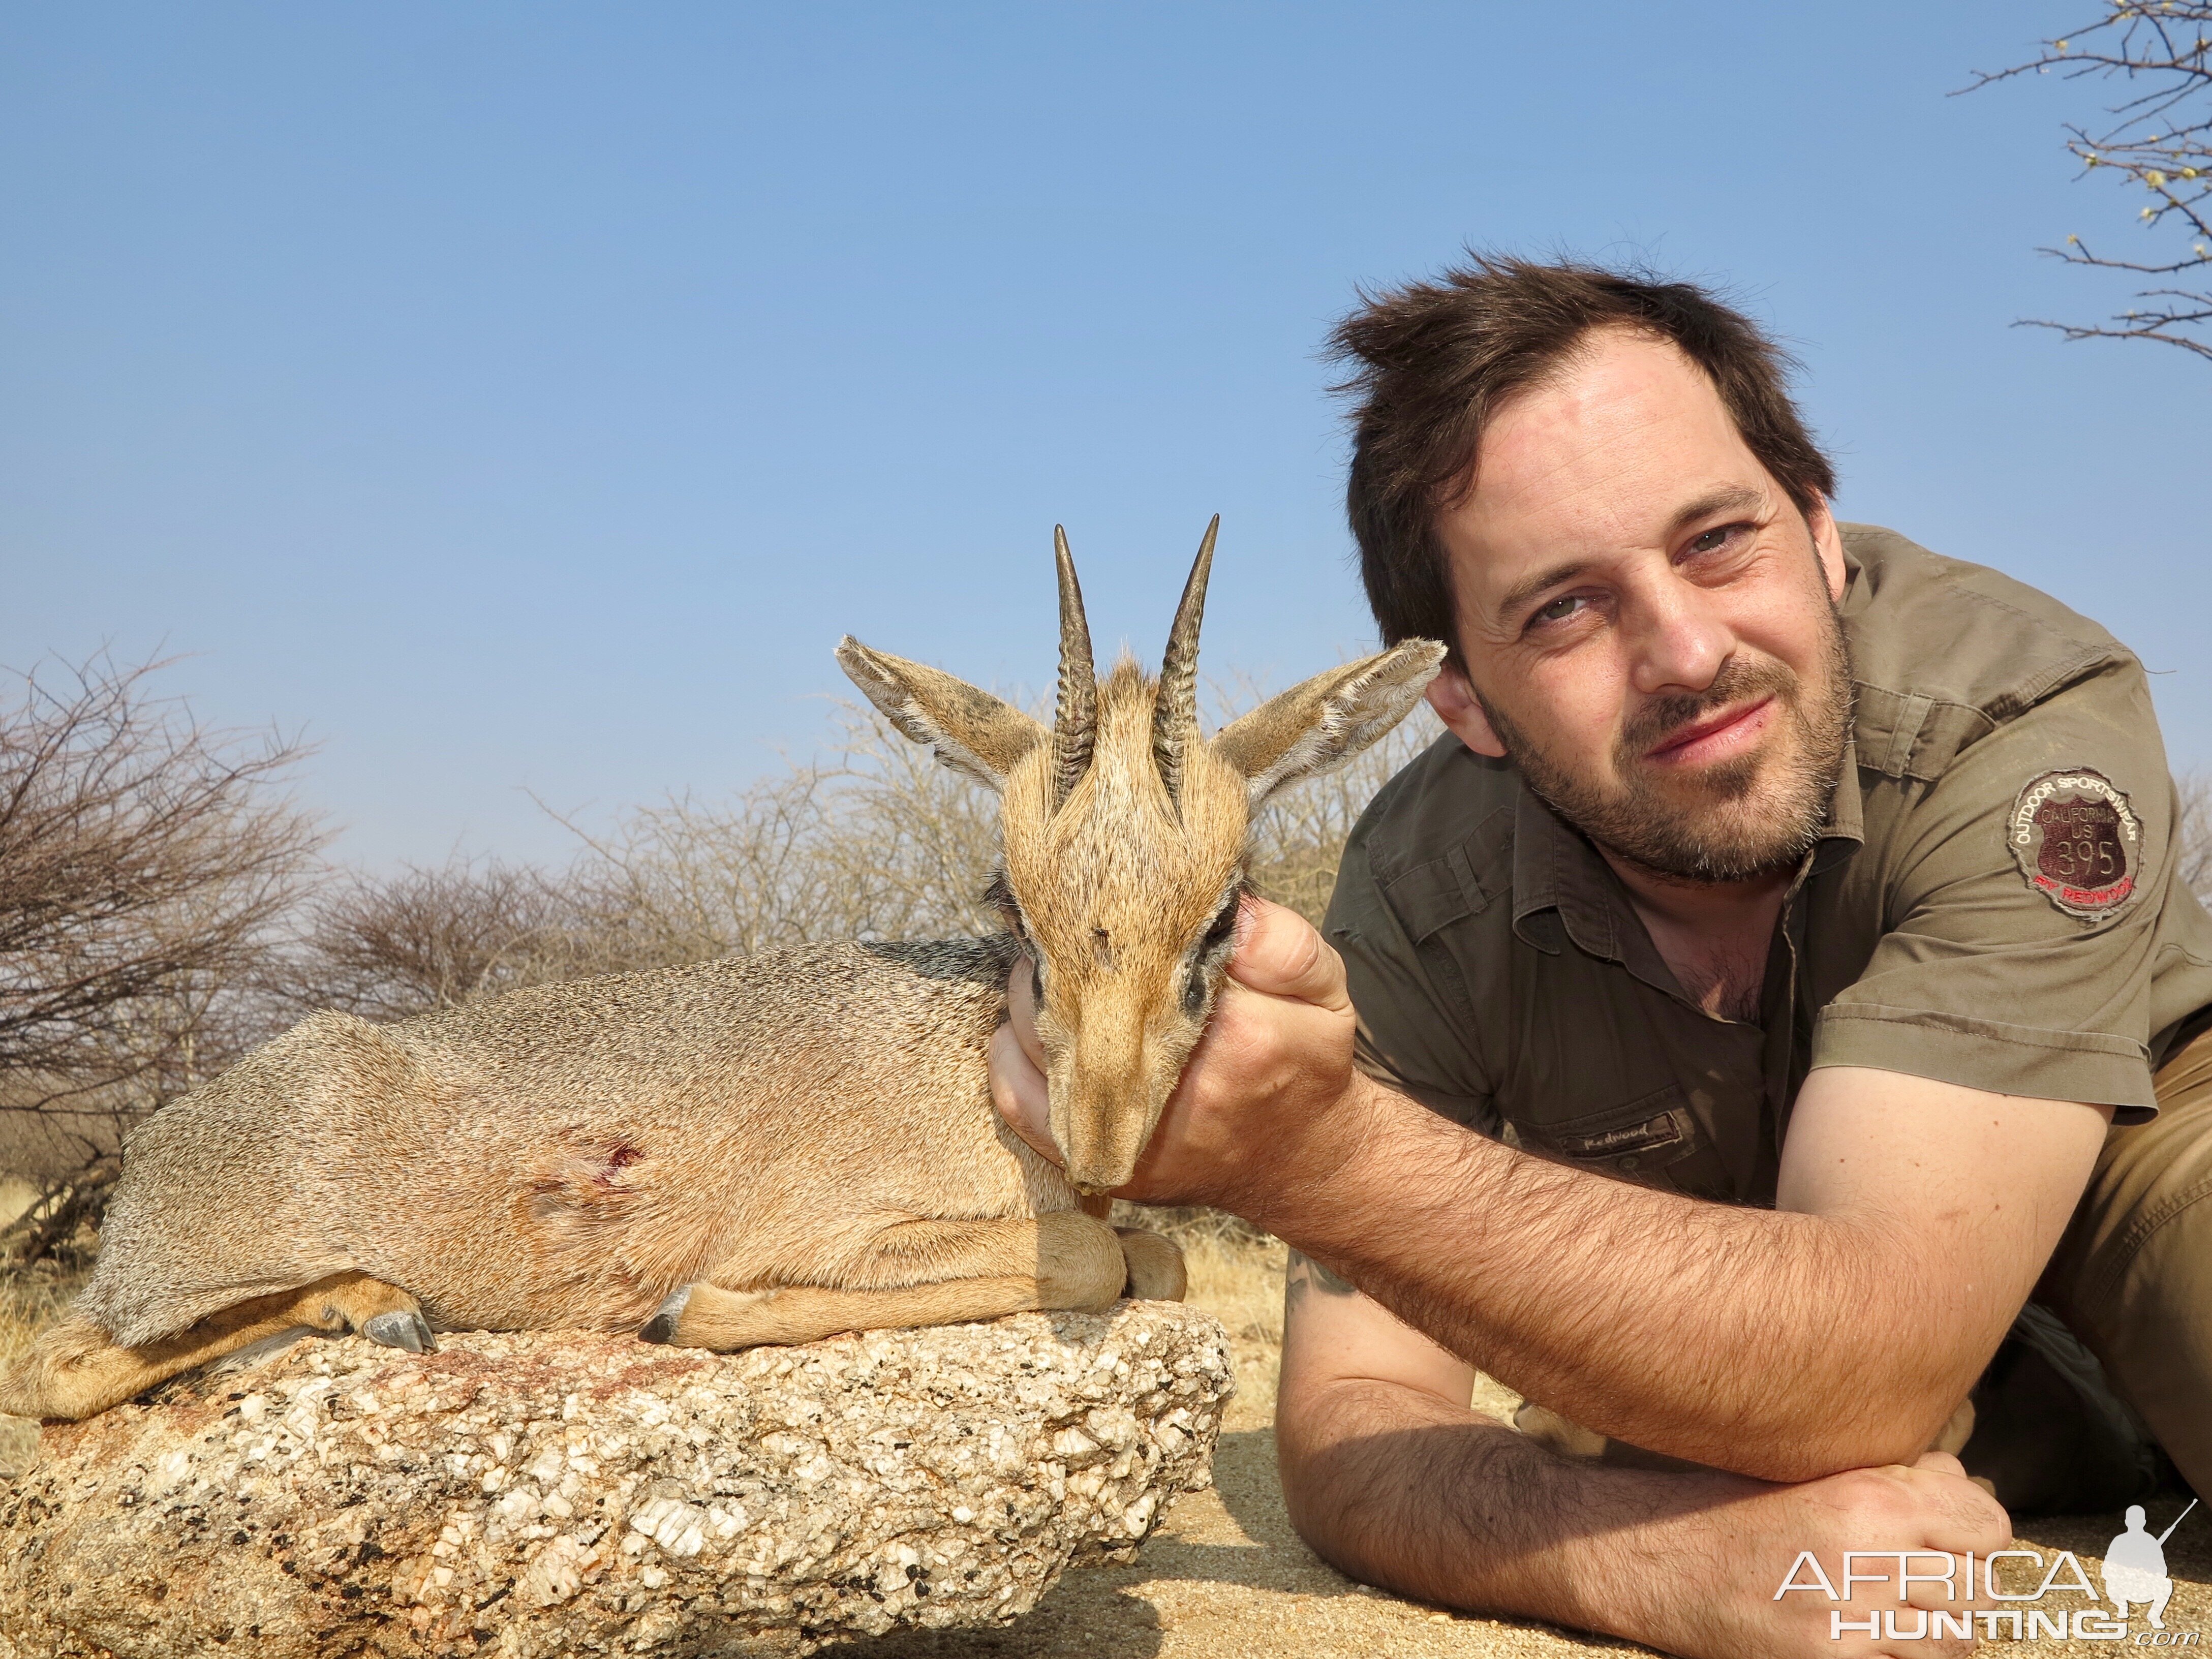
1979 977
1412 1038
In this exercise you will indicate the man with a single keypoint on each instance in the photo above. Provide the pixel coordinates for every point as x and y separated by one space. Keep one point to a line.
1745 993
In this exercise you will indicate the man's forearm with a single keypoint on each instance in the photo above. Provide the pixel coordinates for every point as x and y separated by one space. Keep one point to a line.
1705 1331
1399 1489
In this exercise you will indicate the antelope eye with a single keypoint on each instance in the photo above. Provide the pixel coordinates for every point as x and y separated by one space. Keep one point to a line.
1218 933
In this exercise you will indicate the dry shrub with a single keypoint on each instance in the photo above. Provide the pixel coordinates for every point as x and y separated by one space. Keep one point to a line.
385 949
144 862
878 842
2157 137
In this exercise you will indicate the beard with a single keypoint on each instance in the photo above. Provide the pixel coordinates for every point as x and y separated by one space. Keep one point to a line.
1746 817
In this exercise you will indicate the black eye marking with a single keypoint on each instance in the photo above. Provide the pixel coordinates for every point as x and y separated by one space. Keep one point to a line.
1212 950
1223 926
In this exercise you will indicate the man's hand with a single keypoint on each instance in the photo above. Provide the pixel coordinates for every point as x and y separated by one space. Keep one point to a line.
1929 1508
1273 1070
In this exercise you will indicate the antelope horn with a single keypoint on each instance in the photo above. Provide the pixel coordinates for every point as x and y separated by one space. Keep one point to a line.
1075 718
1175 715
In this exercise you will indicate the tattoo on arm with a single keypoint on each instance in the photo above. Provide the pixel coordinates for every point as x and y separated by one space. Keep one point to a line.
1305 1274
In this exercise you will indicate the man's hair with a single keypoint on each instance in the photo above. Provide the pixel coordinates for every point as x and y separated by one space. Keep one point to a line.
1433 361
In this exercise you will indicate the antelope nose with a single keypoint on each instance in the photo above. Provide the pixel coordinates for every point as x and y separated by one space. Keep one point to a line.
1104 1112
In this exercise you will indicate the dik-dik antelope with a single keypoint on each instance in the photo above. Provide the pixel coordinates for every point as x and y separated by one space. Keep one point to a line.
768 1150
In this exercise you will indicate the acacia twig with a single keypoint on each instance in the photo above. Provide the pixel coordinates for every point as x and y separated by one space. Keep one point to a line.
2159 140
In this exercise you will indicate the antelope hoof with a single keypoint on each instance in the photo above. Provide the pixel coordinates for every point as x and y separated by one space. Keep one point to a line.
661 1328
1155 1267
410 1331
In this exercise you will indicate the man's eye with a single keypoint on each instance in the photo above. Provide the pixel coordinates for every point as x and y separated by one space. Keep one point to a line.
1560 610
1713 540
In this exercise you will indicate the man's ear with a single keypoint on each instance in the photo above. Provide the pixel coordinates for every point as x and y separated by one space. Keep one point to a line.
1828 546
972 732
1318 725
1460 711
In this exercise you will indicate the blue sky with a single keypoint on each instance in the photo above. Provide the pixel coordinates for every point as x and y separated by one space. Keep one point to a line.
523 399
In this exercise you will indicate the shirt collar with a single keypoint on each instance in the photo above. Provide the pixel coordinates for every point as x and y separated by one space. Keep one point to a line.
1560 882
1845 830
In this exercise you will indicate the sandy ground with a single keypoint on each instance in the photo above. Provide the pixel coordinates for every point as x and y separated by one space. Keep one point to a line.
1224 1576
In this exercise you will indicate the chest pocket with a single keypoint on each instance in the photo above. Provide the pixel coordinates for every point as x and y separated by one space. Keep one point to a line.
1634 1141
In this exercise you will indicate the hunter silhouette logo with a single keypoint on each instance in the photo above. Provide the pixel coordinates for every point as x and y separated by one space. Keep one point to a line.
2135 1567
2134 1575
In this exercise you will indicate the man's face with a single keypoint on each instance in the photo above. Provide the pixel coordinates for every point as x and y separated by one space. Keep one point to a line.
1649 622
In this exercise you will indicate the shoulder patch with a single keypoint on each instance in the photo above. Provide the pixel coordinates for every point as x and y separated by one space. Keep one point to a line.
2077 840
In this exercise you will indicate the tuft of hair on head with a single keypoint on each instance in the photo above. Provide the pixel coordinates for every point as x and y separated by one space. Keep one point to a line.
1431 361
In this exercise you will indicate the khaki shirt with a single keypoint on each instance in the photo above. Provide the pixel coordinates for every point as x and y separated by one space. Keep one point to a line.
1991 903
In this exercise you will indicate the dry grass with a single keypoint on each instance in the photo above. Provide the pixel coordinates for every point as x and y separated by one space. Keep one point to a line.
31 1298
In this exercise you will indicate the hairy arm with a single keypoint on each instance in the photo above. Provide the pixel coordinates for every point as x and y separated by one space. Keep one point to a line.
1390 1476
1836 1332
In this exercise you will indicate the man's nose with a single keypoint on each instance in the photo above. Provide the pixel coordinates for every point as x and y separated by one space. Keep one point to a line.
1677 641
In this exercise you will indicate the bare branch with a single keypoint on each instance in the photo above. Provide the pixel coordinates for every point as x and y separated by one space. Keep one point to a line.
2159 140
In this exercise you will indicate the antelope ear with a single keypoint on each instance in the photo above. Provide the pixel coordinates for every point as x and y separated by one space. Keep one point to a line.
971 731
1318 725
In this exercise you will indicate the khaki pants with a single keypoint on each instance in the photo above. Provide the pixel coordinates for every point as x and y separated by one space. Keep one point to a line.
2132 1280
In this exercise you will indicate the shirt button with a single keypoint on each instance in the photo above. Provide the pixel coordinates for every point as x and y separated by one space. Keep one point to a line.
1630 1162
